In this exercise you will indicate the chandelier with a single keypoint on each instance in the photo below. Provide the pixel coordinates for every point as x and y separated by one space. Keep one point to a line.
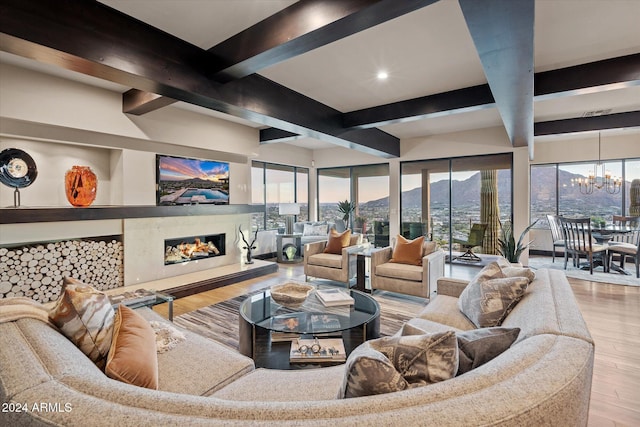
611 184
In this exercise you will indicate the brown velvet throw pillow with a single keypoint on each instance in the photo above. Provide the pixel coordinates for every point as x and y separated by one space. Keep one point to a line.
408 251
132 357
337 241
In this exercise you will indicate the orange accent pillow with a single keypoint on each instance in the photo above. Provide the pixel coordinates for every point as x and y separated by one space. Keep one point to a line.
132 358
408 251
337 241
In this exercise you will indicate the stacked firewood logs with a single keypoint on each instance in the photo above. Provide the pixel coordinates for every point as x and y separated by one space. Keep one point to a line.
36 271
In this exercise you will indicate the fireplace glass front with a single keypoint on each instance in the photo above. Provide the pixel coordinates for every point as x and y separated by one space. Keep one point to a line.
193 248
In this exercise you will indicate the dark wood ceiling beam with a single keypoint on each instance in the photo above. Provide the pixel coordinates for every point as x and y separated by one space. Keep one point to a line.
96 40
139 102
297 29
502 32
583 124
300 28
273 135
608 74
453 102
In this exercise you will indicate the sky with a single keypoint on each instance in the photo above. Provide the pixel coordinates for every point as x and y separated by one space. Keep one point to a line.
177 169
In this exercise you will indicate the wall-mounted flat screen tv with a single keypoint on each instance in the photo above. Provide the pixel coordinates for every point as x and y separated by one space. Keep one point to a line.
183 181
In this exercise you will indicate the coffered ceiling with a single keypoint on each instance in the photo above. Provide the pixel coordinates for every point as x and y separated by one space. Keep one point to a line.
317 81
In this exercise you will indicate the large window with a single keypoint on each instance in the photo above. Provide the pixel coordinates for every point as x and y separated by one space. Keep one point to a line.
425 197
448 196
272 184
553 192
366 186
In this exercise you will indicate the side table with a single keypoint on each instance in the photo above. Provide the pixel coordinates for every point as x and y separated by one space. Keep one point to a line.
160 298
363 269
297 242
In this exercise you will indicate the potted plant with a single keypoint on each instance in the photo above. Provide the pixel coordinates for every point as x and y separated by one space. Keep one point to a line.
345 208
598 222
507 246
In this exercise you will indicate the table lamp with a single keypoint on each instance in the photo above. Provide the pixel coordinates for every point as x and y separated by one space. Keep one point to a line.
290 210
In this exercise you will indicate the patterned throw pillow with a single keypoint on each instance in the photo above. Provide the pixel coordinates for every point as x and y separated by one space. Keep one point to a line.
478 346
519 272
417 360
132 356
408 251
337 241
85 316
370 372
487 303
315 230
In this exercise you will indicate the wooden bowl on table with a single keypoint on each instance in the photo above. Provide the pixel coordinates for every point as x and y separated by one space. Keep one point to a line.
291 294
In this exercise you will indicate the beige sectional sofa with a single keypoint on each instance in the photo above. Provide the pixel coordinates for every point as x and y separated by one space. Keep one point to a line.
543 379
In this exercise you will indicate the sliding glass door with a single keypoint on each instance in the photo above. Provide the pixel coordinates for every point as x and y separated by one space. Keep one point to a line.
425 199
449 196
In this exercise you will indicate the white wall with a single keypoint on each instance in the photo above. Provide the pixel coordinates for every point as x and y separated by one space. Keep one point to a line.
61 123
48 100
53 160
584 147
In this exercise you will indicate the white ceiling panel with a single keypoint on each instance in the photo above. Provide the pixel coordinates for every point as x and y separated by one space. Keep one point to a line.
425 52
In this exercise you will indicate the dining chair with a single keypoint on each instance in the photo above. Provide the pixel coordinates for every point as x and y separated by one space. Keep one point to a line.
556 236
626 244
626 221
579 242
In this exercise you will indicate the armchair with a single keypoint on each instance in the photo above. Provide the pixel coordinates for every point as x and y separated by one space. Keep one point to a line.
476 238
408 279
340 268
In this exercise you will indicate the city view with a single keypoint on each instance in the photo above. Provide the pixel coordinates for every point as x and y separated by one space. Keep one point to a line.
465 204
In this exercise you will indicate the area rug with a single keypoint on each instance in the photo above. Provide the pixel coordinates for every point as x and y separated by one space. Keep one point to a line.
597 276
220 321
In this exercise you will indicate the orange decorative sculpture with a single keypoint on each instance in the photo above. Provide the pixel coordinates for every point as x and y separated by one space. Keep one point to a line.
80 185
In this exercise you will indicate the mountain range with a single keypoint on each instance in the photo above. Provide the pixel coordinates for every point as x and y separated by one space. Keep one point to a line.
468 191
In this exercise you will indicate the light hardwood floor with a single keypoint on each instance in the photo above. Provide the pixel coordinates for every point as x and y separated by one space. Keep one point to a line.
612 313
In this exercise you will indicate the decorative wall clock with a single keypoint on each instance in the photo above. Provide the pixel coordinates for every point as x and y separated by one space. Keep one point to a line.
17 170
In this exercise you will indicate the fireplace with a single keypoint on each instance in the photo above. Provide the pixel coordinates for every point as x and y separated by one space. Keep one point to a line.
193 248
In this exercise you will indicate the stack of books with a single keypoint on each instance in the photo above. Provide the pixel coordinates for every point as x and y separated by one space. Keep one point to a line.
330 350
334 297
326 325
287 327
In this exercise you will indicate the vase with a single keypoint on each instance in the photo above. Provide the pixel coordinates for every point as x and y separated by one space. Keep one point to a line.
81 185
291 252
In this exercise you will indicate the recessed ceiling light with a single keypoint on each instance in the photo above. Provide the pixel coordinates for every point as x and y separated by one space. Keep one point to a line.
382 75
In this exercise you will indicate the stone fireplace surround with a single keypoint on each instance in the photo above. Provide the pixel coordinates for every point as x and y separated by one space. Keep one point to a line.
141 242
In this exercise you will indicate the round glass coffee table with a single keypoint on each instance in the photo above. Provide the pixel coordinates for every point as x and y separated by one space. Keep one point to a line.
267 328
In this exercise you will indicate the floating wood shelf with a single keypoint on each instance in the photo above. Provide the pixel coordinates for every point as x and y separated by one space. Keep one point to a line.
43 214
